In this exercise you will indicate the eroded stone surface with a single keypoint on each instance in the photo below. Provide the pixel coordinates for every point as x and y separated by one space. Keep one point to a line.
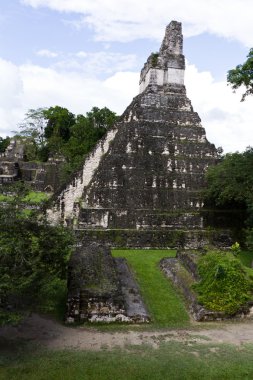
102 289
134 305
94 291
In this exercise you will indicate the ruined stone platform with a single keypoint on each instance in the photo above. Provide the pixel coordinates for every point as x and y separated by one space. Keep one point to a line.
102 288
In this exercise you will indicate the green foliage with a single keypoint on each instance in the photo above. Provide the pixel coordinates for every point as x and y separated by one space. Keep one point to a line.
4 142
154 59
52 296
164 304
21 194
170 360
35 197
10 318
56 132
246 258
16 190
84 137
32 253
101 117
235 248
242 75
230 184
59 122
225 285
231 180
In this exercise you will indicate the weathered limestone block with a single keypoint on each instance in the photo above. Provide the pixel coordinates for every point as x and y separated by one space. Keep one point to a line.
94 291
101 288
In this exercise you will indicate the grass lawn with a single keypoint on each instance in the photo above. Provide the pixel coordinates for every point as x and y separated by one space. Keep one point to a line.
246 258
165 305
172 360
33 197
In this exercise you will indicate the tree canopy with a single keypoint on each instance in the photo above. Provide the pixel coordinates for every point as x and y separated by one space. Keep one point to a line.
231 181
230 185
33 255
242 75
4 142
55 131
59 122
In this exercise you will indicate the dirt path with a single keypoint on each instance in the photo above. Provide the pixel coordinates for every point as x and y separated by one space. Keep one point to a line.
51 334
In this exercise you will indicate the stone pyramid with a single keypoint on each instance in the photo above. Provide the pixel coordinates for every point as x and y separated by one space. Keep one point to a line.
142 185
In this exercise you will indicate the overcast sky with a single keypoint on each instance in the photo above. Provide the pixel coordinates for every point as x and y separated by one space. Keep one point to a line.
84 53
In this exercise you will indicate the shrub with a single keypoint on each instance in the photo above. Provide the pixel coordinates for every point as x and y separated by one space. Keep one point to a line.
225 285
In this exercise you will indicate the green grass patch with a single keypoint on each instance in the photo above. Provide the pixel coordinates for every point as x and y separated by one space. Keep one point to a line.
165 305
35 197
171 361
246 257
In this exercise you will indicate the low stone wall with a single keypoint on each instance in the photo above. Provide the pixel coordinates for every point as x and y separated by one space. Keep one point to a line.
127 238
189 260
42 176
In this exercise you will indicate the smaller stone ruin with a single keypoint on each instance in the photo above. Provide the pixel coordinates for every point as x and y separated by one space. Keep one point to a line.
41 176
9 172
101 288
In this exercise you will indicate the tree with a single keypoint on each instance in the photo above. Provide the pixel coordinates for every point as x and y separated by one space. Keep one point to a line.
33 256
4 142
33 126
33 134
242 75
230 185
102 117
83 138
59 122
57 131
231 181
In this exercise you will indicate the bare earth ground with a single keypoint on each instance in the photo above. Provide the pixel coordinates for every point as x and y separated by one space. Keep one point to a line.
48 333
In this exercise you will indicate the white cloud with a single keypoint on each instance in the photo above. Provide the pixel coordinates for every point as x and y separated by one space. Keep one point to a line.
47 87
81 54
96 63
228 122
47 53
30 86
126 20
11 92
